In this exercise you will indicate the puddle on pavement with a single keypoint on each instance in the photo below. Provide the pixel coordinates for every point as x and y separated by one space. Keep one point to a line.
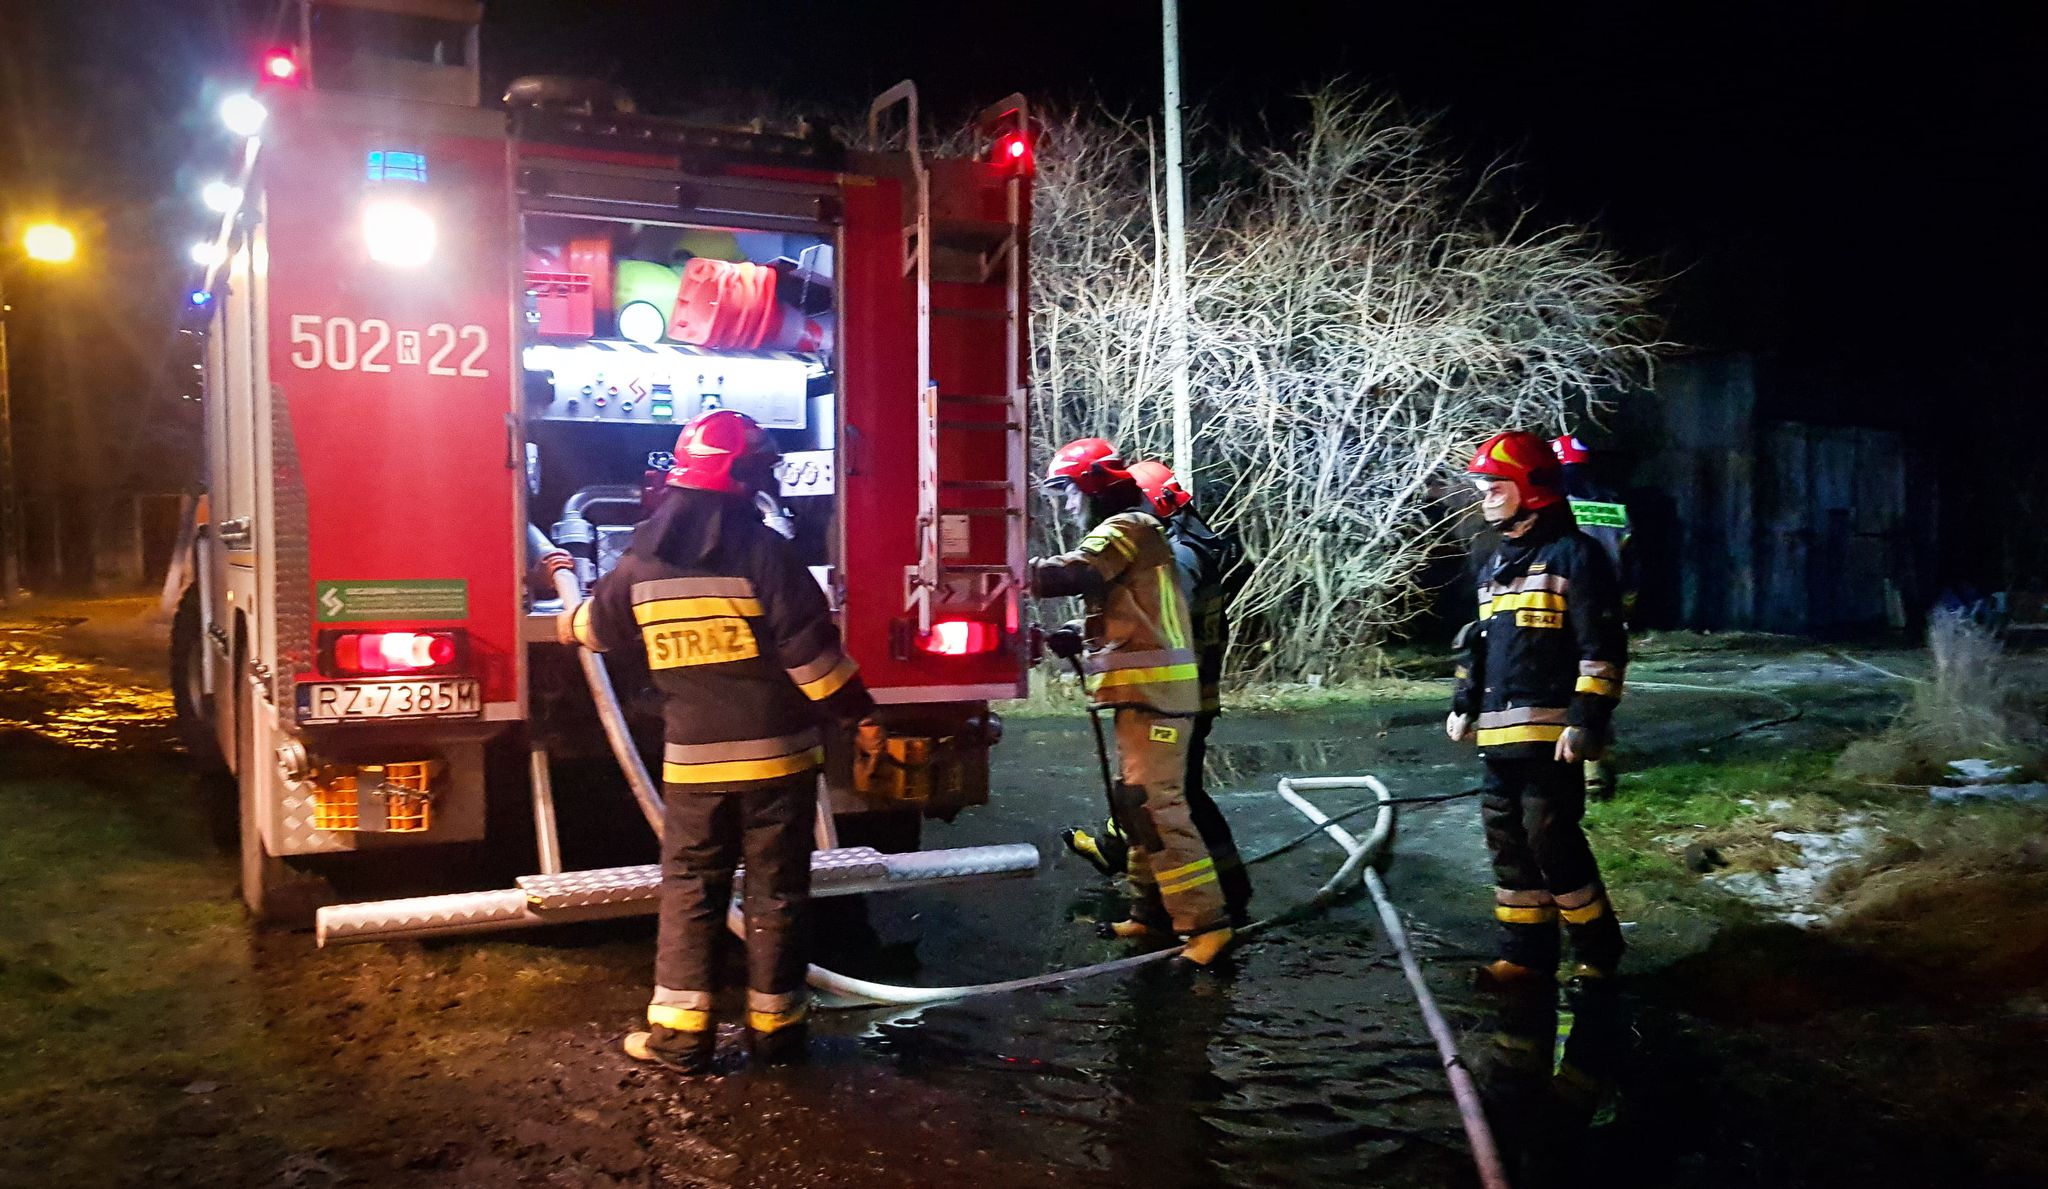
1304 1067
76 702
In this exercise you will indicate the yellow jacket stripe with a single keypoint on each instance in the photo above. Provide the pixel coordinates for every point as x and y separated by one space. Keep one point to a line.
1538 732
1189 884
1117 677
1199 865
1579 916
682 1019
1598 685
734 771
702 607
1528 600
817 689
1106 536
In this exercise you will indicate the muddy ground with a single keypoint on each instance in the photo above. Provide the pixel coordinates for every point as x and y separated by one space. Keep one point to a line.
149 1037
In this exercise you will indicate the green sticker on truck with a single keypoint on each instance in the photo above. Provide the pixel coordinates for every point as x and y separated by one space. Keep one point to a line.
400 598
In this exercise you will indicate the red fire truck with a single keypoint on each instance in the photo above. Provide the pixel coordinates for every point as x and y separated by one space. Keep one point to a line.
443 336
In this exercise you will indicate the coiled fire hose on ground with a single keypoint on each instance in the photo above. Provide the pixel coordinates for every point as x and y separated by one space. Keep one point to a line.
1360 856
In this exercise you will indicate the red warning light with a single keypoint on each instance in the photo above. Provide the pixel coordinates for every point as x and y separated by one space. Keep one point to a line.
280 66
1013 152
960 637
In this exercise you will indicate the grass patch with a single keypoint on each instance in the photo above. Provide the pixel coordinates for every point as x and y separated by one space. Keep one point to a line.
1735 808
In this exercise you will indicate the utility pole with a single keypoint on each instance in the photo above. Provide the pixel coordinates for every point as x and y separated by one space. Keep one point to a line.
1177 254
10 516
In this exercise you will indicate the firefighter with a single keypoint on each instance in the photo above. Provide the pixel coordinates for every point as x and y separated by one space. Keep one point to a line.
1600 514
1210 562
1141 662
742 647
1541 670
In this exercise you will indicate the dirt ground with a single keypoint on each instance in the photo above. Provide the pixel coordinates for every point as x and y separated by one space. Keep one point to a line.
149 1037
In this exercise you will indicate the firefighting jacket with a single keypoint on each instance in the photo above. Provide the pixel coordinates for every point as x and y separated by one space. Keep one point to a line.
739 640
1140 637
1548 650
1601 515
1208 561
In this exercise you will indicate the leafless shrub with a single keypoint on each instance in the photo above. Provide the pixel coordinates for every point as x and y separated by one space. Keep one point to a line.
1356 325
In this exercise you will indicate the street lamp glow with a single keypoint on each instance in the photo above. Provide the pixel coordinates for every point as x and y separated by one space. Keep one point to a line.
208 254
219 197
242 114
49 243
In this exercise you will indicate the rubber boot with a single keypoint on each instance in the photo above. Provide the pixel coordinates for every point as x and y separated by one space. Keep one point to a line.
778 1038
1503 976
685 1052
1130 931
1204 948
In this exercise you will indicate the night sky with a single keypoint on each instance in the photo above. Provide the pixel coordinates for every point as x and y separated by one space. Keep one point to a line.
1839 191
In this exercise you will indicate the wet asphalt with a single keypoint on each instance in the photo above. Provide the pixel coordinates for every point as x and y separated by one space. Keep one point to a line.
1303 1061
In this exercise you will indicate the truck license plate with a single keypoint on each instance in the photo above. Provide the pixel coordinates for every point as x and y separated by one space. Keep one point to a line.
451 697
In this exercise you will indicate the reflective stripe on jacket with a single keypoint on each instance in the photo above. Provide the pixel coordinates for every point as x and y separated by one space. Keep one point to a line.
1140 634
741 645
1548 650
1206 558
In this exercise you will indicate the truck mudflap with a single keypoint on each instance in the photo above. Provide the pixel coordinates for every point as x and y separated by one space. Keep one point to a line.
629 891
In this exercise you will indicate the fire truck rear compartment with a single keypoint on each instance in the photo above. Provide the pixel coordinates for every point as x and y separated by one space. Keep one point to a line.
610 371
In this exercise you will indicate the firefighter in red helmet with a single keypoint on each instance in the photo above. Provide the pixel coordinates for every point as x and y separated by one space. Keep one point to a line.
1140 663
743 649
1541 671
1600 514
1210 562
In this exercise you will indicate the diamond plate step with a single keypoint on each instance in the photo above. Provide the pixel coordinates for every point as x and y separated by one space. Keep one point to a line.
614 885
627 891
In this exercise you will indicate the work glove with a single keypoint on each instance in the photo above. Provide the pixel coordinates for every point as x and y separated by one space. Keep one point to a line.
1065 642
1578 744
565 628
541 578
870 740
1458 727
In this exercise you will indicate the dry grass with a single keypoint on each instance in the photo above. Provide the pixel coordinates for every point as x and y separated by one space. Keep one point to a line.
1978 703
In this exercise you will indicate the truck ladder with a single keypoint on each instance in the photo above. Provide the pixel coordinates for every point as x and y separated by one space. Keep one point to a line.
971 253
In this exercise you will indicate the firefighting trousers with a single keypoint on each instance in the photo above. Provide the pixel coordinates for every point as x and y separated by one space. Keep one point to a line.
706 836
1543 868
1231 875
1172 872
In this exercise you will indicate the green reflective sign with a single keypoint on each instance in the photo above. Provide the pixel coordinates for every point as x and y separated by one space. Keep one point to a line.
1594 514
354 602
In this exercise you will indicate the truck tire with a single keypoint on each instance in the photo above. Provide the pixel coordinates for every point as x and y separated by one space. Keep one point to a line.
278 894
188 689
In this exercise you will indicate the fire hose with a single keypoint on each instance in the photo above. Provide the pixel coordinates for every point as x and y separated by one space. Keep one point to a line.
1360 856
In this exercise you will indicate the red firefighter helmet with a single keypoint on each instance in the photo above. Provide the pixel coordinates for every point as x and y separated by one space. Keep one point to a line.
1571 451
724 450
1525 460
1164 491
1091 465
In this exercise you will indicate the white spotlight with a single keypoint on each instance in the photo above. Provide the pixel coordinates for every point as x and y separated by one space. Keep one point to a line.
398 233
242 114
208 254
219 197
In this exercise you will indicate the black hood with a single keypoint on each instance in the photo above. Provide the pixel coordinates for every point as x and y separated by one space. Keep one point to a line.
694 529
